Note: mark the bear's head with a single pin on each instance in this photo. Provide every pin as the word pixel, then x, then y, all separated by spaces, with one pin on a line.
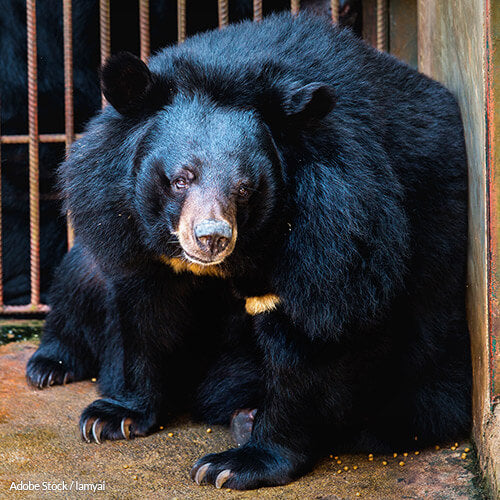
pixel 210 179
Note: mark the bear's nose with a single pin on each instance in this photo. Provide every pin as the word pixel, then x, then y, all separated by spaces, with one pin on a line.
pixel 213 236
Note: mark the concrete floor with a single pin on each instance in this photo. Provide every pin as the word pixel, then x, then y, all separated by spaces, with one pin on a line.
pixel 40 442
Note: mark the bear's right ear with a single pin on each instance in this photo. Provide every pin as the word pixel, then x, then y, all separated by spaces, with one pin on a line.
pixel 126 82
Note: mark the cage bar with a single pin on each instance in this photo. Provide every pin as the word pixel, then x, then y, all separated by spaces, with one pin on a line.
pixel 69 129
pixel 69 122
pixel 24 139
pixel 382 25
pixel 104 34
pixel 34 193
pixel 27 309
pixel 295 6
pixel 334 8
pixel 1 256
pixel 181 20
pixel 257 10
pixel 223 13
pixel 144 35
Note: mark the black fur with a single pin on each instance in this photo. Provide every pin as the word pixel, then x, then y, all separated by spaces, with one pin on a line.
pixel 356 219
pixel 201 15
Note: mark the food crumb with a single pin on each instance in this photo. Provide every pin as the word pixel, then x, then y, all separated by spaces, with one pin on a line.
pixel 370 459
pixel 417 453
pixel 125 466
pixel 401 463
pixel 358 494
pixel 436 447
pixel 394 455
pixel 339 461
pixel 345 467
pixel 170 434
pixel 134 477
pixel 93 379
pixel 161 427
pixel 384 463
pixel 339 471
pixel 467 450
pixel 453 448
pixel 209 431
pixel 354 467
pixel 463 456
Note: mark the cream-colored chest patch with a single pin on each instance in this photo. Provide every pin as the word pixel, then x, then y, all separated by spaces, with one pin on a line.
pixel 183 266
pixel 261 304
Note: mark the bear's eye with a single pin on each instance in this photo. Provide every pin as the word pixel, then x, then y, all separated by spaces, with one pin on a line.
pixel 180 183
pixel 243 192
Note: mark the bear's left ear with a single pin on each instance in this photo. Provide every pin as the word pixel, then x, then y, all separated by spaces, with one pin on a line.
pixel 311 102
pixel 126 83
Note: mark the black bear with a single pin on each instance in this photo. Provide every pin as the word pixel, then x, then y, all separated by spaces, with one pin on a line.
pixel 287 169
pixel 14 113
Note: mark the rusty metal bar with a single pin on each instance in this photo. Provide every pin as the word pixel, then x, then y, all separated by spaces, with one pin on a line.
pixel 34 192
pixel 295 6
pixel 181 20
pixel 334 7
pixel 223 13
pixel 144 29
pixel 105 34
pixel 257 10
pixel 27 309
pixel 24 139
pixel 69 127
pixel 382 25
pixel 1 256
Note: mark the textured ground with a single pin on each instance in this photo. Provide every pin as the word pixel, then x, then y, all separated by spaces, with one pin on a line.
pixel 40 443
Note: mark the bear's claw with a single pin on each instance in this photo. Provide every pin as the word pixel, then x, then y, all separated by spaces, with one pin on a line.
pixel 97 430
pixel 125 427
pixel 200 473
pixel 247 467
pixel 43 372
pixel 222 478
pixel 108 420
pixel 85 428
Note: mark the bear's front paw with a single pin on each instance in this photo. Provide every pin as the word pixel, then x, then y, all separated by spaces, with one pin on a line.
pixel 107 419
pixel 244 468
pixel 43 372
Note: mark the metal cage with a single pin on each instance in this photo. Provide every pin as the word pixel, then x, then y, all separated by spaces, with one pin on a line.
pixel 376 32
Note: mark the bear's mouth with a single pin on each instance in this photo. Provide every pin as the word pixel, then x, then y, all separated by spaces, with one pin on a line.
pixel 201 262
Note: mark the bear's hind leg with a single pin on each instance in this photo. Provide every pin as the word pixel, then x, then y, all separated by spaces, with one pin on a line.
pixel 233 387
pixel 233 384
